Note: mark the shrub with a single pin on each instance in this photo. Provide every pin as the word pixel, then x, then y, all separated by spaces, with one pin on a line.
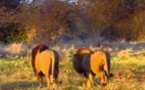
pixel 13 32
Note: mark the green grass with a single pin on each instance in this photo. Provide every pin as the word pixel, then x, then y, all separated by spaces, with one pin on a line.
pixel 129 74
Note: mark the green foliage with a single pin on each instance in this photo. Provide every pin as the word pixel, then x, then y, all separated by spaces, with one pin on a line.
pixel 13 32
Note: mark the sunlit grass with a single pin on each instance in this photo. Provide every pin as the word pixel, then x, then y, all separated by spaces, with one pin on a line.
pixel 129 74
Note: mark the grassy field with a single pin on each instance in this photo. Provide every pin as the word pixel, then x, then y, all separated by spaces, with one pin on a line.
pixel 129 74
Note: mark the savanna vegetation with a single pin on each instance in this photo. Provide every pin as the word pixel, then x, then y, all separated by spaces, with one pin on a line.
pixel 56 20
pixel 116 26
pixel 129 73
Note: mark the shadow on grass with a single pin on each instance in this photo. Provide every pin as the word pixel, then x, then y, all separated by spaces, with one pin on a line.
pixel 24 85
pixel 20 85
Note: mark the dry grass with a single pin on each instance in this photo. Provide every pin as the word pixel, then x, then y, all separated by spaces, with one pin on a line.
pixel 14 48
pixel 124 53
pixel 127 60
pixel 123 49
pixel 129 74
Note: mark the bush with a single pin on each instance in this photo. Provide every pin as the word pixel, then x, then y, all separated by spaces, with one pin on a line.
pixel 13 32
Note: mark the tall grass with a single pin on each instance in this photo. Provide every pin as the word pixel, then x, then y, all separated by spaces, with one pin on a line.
pixel 127 59
pixel 129 74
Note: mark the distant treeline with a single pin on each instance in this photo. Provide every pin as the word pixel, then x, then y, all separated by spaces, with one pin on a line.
pixel 52 19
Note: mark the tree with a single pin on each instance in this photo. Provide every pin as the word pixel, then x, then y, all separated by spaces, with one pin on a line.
pixel 10 4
